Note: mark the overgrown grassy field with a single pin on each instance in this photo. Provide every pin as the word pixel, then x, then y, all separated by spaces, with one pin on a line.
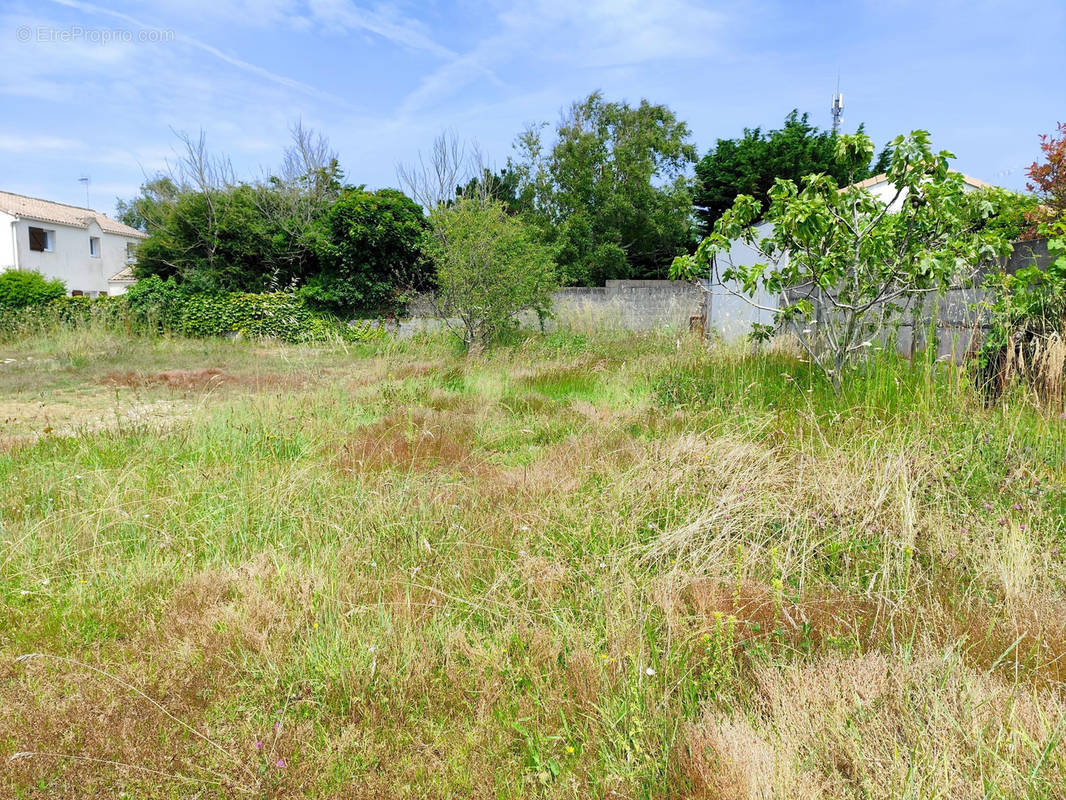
pixel 576 566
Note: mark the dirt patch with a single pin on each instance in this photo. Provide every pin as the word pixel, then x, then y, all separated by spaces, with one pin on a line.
pixel 23 423
pixel 199 380
pixel 174 379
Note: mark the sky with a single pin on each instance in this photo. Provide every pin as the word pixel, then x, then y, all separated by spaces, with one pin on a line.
pixel 100 89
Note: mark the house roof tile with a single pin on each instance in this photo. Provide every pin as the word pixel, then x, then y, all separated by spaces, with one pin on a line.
pixel 61 214
pixel 125 276
pixel 876 179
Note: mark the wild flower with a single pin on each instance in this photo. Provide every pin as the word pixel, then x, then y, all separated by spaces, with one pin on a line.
pixel 649 672
pixel 280 763
pixel 259 744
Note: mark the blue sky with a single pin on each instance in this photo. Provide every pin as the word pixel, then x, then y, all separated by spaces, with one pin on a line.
pixel 96 88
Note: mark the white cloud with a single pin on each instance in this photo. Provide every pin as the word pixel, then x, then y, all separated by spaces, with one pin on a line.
pixel 22 143
pixel 602 33
pixel 384 21
pixel 513 64
pixel 221 55
pixel 595 35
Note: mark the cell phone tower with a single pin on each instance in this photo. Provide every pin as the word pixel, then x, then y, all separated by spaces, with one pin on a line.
pixel 838 108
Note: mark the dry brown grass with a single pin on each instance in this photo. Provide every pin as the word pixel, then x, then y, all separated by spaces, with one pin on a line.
pixel 411 439
pixel 1025 645
pixel 873 726
pixel 1038 362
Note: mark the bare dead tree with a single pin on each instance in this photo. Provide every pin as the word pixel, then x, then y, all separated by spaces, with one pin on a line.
pixel 195 170
pixel 308 181
pixel 310 171
pixel 433 179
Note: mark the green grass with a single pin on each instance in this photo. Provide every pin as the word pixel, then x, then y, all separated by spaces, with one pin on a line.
pixel 602 566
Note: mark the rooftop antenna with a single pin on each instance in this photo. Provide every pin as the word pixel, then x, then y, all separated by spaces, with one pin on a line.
pixel 838 108
pixel 86 180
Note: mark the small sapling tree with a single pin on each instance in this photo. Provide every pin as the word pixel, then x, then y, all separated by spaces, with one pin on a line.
pixel 490 267
pixel 847 262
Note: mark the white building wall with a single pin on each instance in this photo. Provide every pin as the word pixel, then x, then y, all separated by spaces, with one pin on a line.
pixel 885 192
pixel 731 316
pixel 70 260
pixel 7 241
pixel 731 313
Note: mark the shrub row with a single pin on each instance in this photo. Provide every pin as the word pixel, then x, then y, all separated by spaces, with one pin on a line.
pixel 158 306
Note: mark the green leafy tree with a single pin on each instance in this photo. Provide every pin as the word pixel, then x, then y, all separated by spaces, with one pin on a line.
pixel 309 182
pixel 503 185
pixel 23 288
pixel 490 268
pixel 369 253
pixel 150 209
pixel 345 249
pixel 216 241
pixel 845 262
pixel 750 165
pixel 611 195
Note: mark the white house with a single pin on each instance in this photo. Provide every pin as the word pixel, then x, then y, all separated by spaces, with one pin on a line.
pixel 91 253
pixel 730 315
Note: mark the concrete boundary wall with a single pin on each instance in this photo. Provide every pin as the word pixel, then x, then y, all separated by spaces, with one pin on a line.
pixel 620 305
pixel 672 305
